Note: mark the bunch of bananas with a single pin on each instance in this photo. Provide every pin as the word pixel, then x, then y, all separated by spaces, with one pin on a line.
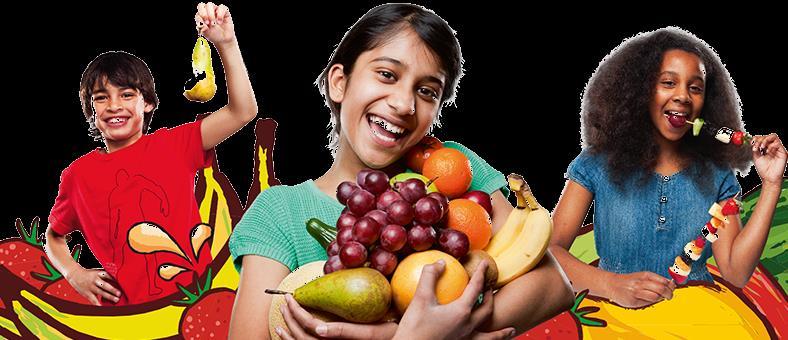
pixel 522 241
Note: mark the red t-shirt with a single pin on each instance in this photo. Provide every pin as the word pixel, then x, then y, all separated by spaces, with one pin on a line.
pixel 137 211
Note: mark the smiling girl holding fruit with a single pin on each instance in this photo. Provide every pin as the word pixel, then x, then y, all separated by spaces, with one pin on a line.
pixel 385 85
pixel 651 181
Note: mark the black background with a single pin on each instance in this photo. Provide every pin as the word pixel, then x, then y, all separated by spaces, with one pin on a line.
pixel 517 105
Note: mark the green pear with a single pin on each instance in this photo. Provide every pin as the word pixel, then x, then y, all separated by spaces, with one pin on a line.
pixel 408 175
pixel 358 295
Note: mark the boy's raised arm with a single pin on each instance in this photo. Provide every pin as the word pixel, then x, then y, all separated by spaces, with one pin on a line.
pixel 217 26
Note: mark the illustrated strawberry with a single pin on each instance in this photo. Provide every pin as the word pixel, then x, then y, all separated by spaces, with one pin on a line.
pixel 24 256
pixel 567 324
pixel 57 285
pixel 208 314
pixel 63 290
pixel 731 207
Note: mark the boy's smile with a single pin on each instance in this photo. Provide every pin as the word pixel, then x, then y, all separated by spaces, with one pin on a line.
pixel 119 114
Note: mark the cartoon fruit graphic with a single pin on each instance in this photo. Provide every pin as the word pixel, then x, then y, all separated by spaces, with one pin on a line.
pixel 208 313
pixel 566 325
pixel 527 249
pixel 473 259
pixel 451 171
pixel 59 287
pixel 419 153
pixel 205 87
pixel 450 284
pixel 470 218
pixel 25 257
pixel 358 295
pixel 63 290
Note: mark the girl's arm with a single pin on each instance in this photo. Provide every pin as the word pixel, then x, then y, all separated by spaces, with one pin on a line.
pixel 738 251
pixel 568 217
pixel 250 312
pixel 629 290
pixel 241 105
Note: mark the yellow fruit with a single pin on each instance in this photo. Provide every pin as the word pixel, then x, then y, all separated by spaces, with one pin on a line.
pixel 205 89
pixel 450 284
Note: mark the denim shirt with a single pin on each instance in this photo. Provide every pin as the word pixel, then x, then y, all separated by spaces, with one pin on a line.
pixel 644 225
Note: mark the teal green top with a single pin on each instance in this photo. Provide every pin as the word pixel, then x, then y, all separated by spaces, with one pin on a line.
pixel 274 226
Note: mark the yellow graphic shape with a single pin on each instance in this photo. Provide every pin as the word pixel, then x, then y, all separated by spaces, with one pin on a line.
pixel 168 271
pixel 148 238
pixel 35 325
pixel 223 226
pixel 9 325
pixel 263 170
pixel 695 312
pixel 227 276
pixel 200 233
pixel 159 323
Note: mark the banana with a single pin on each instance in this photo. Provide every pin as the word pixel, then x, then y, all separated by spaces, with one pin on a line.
pixel 527 249
pixel 205 87
pixel 514 222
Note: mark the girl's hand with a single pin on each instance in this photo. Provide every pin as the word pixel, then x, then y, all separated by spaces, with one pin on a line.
pixel 92 284
pixel 302 325
pixel 639 289
pixel 770 158
pixel 215 23
pixel 426 319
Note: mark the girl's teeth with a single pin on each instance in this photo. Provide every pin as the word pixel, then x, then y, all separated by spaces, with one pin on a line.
pixel 385 138
pixel 386 125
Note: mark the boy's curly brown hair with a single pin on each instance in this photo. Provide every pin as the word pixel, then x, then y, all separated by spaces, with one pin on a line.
pixel 614 113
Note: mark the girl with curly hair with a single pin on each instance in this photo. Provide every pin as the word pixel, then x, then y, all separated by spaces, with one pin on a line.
pixel 652 183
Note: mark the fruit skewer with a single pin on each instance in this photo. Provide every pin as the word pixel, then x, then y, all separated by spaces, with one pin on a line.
pixel 721 133
pixel 682 265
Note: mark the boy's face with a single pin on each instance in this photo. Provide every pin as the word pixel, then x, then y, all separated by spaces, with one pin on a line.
pixel 119 113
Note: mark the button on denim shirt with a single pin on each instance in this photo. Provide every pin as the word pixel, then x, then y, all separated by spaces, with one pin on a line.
pixel 643 226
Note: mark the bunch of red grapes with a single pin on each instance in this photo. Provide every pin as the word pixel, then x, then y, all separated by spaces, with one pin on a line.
pixel 381 222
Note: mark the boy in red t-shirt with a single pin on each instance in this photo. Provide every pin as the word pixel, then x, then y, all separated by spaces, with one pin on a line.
pixel 133 200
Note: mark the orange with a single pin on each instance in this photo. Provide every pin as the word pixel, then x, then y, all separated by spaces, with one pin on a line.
pixel 450 284
pixel 452 170
pixel 470 218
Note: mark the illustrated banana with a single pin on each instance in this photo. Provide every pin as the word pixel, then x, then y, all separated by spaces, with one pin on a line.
pixel 514 222
pixel 202 87
pixel 527 249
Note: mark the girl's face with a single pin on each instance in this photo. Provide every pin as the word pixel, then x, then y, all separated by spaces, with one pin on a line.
pixel 679 91
pixel 389 100
pixel 119 113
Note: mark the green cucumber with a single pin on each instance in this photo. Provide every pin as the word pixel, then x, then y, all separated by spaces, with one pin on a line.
pixel 322 232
